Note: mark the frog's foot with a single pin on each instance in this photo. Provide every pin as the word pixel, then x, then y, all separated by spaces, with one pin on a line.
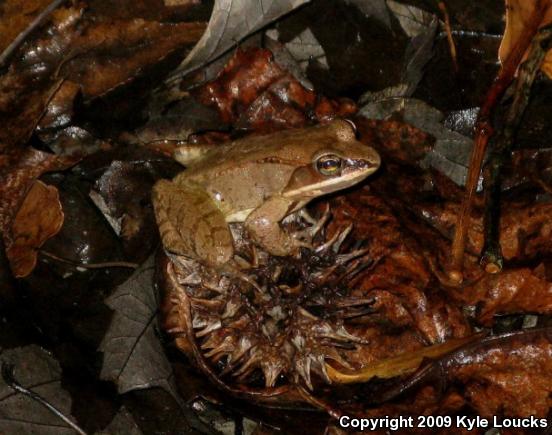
pixel 336 240
pixel 304 237
pixel 233 269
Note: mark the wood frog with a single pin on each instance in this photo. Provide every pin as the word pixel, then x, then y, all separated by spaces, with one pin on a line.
pixel 258 181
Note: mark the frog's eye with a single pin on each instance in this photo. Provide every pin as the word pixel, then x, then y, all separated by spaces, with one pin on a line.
pixel 329 164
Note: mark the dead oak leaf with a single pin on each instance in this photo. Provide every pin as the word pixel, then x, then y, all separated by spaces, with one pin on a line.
pixel 518 17
pixel 39 218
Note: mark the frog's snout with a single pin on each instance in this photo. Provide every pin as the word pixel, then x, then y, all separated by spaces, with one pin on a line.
pixel 369 164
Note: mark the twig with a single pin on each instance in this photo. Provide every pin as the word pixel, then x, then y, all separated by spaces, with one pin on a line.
pixel 491 258
pixel 452 46
pixel 40 18
pixel 104 265
pixel 484 131
pixel 9 379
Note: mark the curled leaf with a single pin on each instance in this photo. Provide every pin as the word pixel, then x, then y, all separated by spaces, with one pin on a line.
pixel 39 218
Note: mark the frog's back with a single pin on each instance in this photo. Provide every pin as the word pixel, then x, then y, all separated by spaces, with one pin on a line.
pixel 293 147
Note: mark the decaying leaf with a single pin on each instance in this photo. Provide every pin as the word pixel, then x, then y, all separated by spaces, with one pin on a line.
pixel 413 20
pixel 37 371
pixel 39 218
pixel 133 356
pixel 518 14
pixel 231 21
pixel 130 45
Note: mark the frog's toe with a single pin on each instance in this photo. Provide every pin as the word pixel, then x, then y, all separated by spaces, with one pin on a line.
pixel 305 237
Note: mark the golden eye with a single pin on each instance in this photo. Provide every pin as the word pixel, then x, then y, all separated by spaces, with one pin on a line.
pixel 330 164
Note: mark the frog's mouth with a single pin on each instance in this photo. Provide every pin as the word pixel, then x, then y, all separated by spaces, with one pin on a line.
pixel 308 182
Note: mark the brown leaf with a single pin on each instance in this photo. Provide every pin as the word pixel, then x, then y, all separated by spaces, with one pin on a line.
pixel 253 92
pixel 16 16
pixel 113 53
pixel 509 377
pixel 513 291
pixel 39 218
pixel 29 84
pixel 96 56
pixel 18 170
pixel 518 14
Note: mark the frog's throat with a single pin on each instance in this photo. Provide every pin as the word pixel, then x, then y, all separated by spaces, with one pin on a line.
pixel 239 216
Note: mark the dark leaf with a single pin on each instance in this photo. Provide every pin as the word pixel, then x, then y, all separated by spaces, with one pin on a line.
pixel 37 371
pixel 133 355
pixel 231 21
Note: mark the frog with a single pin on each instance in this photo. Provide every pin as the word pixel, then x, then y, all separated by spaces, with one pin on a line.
pixel 257 181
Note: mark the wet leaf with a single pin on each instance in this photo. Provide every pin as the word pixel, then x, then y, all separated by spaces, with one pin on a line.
pixel 133 356
pixel 95 56
pixel 39 218
pixel 174 123
pixel 507 374
pixel 254 93
pixel 231 21
pixel 510 292
pixel 16 16
pixel 37 371
pixel 518 14
pixel 122 193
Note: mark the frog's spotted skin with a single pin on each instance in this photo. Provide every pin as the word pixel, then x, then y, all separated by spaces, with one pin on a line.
pixel 257 181
pixel 191 224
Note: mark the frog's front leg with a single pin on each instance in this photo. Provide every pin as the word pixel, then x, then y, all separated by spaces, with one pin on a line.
pixel 190 223
pixel 263 225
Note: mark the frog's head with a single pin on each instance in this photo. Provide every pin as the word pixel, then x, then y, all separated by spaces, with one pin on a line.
pixel 335 162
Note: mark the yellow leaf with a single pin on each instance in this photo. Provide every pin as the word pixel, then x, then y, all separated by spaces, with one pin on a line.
pixel 518 15
pixel 399 365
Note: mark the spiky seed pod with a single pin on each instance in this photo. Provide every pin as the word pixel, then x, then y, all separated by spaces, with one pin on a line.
pixel 274 320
